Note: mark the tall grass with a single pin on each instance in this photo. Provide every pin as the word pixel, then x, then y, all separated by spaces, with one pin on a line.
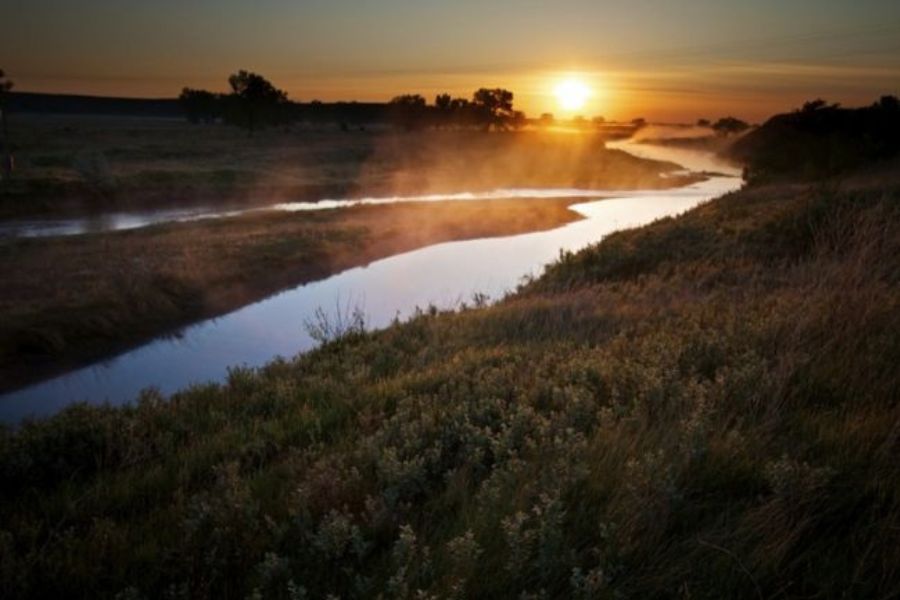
pixel 702 408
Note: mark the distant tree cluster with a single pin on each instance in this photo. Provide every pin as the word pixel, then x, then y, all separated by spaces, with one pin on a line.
pixel 725 126
pixel 201 106
pixel 488 108
pixel 730 126
pixel 409 111
pixel 254 103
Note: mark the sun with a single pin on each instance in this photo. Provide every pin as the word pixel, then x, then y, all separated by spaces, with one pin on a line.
pixel 572 94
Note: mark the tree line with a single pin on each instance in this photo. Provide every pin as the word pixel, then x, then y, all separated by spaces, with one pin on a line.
pixel 488 108
pixel 255 103
pixel 725 126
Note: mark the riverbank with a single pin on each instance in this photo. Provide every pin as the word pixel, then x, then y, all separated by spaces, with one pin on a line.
pixel 73 300
pixel 706 404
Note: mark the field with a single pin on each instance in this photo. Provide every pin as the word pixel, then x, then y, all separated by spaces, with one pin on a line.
pixel 69 301
pixel 78 165
pixel 702 408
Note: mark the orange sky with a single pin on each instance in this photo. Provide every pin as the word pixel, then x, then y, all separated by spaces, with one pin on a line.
pixel 658 59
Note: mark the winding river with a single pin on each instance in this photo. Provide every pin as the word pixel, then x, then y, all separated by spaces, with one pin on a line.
pixel 443 275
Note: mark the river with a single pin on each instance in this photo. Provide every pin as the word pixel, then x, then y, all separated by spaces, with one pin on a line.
pixel 442 275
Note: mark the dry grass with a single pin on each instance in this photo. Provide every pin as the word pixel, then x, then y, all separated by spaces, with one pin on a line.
pixel 702 408
pixel 81 164
pixel 70 300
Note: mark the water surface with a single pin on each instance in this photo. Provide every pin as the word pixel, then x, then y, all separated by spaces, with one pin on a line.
pixel 442 275
pixel 691 160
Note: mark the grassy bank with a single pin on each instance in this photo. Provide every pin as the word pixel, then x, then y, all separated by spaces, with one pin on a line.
pixel 702 408
pixel 77 165
pixel 70 300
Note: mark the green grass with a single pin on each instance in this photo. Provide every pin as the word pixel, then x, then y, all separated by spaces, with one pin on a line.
pixel 702 408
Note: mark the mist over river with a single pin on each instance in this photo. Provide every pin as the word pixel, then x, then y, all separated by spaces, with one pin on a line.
pixel 443 275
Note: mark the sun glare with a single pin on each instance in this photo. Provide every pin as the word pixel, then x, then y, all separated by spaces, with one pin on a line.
pixel 572 94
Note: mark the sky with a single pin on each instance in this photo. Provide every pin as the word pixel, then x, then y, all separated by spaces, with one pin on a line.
pixel 661 60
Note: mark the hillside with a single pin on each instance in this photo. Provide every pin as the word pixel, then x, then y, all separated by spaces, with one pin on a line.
pixel 820 140
pixel 705 407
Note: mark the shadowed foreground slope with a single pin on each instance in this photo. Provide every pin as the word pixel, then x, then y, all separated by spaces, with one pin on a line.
pixel 702 408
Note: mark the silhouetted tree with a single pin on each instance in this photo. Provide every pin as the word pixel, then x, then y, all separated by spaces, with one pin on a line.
pixel 200 106
pixel 703 123
pixel 254 102
pixel 729 125
pixel 411 100
pixel 459 104
pixel 598 121
pixel 813 105
pixel 493 106
pixel 5 151
pixel 408 111
pixel 639 122
pixel 443 102
pixel 518 120
pixel 888 104
pixel 546 119
pixel 459 113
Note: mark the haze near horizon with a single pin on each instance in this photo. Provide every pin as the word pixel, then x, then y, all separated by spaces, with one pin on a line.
pixel 659 60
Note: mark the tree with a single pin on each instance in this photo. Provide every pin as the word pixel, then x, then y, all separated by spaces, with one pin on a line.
pixel 729 125
pixel 493 106
pixel 518 120
pixel 254 102
pixel 5 151
pixel 408 111
pixel 813 105
pixel 409 100
pixel 703 123
pixel 461 112
pixel 639 122
pixel 546 119
pixel 888 104
pixel 459 104
pixel 200 106
pixel 443 102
